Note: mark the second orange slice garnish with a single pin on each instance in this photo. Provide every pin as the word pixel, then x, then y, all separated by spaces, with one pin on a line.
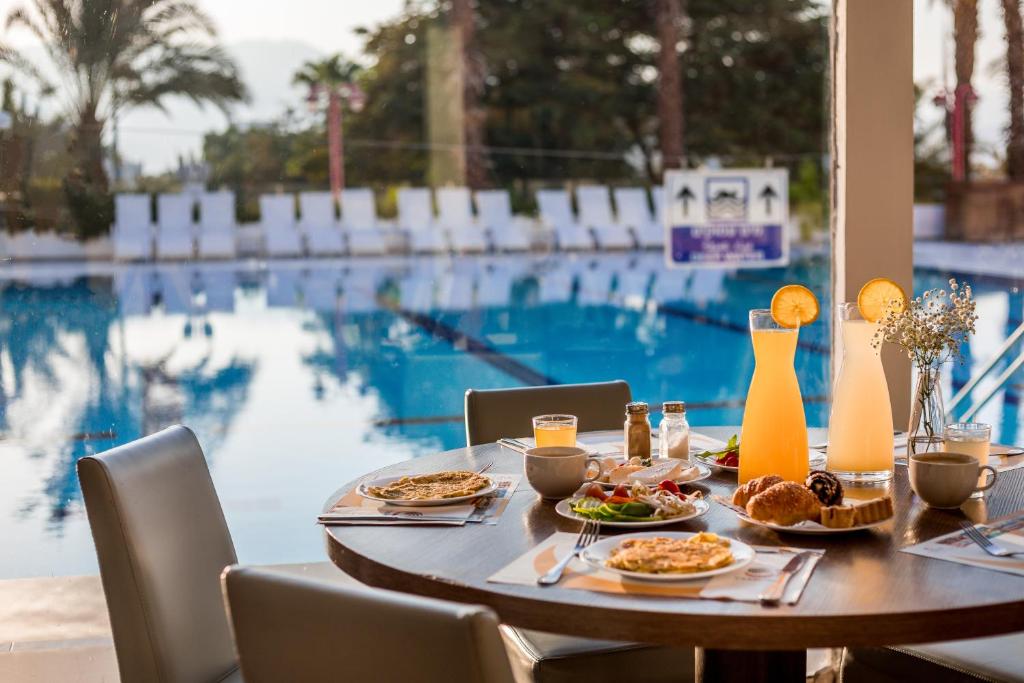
pixel 794 306
pixel 878 297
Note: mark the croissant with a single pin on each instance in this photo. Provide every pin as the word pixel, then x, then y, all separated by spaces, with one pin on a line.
pixel 786 503
pixel 743 494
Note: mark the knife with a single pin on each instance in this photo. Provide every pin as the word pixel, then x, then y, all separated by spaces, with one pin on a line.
pixel 773 595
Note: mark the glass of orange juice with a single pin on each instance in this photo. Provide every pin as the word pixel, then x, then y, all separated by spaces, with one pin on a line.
pixel 554 430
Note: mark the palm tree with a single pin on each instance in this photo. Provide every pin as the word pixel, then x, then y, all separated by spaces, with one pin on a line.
pixel 965 37
pixel 464 19
pixel 336 77
pixel 113 55
pixel 1015 80
pixel 668 16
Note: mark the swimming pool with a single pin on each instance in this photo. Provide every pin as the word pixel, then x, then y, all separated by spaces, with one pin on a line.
pixel 299 376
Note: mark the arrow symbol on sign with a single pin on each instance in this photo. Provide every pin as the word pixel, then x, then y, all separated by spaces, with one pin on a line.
pixel 768 194
pixel 686 194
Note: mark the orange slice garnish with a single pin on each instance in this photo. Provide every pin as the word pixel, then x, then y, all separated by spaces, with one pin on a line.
pixel 880 296
pixel 794 306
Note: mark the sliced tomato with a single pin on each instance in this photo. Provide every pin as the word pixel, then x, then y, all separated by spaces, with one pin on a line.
pixel 619 500
pixel 621 491
pixel 669 485
pixel 595 491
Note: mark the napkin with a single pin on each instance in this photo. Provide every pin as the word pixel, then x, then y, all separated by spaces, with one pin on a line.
pixel 957 547
pixel 744 585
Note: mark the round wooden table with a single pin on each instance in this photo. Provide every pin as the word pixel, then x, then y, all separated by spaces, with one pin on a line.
pixel 864 592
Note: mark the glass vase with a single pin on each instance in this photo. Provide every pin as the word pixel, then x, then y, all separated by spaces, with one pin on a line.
pixel 927 409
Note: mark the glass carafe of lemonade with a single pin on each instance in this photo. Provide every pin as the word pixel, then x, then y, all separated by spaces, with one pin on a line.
pixel 773 439
pixel 860 438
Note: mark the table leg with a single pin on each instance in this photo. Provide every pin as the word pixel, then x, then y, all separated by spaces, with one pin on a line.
pixel 751 666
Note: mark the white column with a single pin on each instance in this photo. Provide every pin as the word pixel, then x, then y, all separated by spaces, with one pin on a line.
pixel 873 161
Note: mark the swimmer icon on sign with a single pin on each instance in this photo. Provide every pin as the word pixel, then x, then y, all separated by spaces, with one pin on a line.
pixel 727 199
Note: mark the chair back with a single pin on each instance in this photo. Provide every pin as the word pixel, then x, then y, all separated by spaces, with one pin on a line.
pixel 162 543
pixel 217 211
pixel 455 207
pixel 132 213
pixel 494 207
pixel 632 205
pixel 492 414
pixel 358 208
pixel 174 212
pixel 277 210
pixel 317 209
pixel 295 629
pixel 595 205
pixel 554 207
pixel 414 208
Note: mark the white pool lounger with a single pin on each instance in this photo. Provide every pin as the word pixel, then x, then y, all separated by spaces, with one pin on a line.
pixel 595 206
pixel 282 238
pixel 455 215
pixel 217 225
pixel 416 218
pixel 366 234
pixel 556 213
pixel 635 212
pixel 508 232
pixel 132 232
pixel 323 234
pixel 174 227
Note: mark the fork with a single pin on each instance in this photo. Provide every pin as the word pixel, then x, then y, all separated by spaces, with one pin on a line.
pixel 588 534
pixel 987 545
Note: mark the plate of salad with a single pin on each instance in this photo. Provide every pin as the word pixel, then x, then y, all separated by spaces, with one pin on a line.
pixel 727 458
pixel 634 506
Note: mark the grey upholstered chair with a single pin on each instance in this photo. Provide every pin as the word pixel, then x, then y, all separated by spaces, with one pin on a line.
pixel 996 660
pixel 492 414
pixel 162 543
pixel 302 631
pixel 546 657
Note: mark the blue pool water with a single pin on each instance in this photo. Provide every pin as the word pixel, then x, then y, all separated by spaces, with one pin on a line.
pixel 299 376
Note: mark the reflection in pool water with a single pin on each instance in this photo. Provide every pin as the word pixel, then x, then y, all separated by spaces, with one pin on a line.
pixel 299 376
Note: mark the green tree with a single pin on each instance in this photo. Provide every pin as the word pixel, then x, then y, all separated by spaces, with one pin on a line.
pixel 111 56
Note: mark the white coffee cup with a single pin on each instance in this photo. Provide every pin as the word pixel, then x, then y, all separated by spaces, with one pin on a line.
pixel 946 480
pixel 558 471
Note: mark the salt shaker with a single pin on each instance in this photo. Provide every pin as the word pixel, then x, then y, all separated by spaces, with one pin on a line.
pixel 674 431
pixel 638 432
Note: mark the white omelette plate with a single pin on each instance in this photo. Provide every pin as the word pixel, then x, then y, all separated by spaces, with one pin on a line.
pixel 704 473
pixel 363 490
pixel 597 553
pixel 565 510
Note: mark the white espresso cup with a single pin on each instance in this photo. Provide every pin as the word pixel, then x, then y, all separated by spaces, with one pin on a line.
pixel 946 480
pixel 558 471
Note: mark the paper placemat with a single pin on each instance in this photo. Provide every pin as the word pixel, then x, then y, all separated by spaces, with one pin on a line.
pixel 956 547
pixel 744 585
pixel 355 509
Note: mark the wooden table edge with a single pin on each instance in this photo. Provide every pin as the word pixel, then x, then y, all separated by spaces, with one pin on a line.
pixel 775 631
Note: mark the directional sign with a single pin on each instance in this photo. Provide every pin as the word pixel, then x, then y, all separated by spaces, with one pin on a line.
pixel 735 217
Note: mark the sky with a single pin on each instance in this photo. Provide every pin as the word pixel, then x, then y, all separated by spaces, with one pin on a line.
pixel 270 39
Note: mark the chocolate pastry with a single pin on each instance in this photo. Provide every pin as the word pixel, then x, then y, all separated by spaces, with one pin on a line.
pixel 826 486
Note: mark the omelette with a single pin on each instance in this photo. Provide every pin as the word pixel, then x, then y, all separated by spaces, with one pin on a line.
pixel 448 484
pixel 660 555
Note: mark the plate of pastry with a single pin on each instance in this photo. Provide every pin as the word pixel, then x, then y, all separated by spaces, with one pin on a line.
pixel 816 506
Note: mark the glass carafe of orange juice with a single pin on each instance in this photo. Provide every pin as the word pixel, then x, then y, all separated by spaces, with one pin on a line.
pixel 773 439
pixel 860 438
